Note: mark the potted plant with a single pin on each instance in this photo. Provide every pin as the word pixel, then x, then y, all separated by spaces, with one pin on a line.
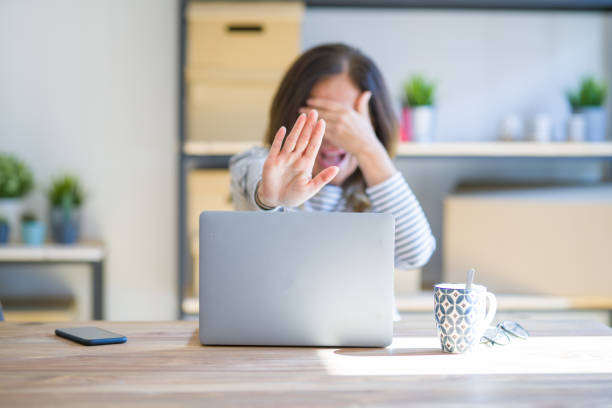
pixel 419 99
pixel 66 197
pixel 4 230
pixel 588 102
pixel 32 230
pixel 15 182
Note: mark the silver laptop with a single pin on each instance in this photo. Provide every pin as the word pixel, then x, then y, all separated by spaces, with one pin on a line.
pixel 296 279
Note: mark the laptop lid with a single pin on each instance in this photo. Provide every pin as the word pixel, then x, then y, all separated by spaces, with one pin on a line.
pixel 296 279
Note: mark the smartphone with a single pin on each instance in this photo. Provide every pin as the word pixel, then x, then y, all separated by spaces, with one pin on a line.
pixel 91 336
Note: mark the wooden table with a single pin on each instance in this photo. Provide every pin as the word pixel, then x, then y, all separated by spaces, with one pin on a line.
pixel 90 253
pixel 162 364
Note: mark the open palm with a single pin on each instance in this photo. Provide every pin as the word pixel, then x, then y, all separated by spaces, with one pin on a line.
pixel 287 173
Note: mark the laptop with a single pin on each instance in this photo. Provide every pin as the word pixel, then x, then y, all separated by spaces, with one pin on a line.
pixel 296 279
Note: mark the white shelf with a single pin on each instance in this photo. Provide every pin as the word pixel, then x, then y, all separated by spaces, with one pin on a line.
pixel 201 148
pixel 506 149
pixel 80 252
pixel 456 149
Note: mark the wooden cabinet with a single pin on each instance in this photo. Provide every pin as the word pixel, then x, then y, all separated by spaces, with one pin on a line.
pixel 262 36
pixel 207 190
pixel 229 107
pixel 549 240
pixel 237 53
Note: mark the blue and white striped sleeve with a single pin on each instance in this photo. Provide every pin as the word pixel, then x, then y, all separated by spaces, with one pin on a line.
pixel 414 242
pixel 245 171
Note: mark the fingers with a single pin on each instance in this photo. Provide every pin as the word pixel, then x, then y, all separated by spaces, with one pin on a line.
pixel 323 178
pixel 332 119
pixel 304 137
pixel 291 139
pixel 362 103
pixel 325 104
pixel 315 141
pixel 278 141
pixel 324 113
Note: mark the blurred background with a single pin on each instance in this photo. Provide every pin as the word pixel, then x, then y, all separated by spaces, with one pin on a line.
pixel 117 119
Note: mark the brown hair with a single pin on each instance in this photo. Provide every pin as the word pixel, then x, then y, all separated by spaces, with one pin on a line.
pixel 321 62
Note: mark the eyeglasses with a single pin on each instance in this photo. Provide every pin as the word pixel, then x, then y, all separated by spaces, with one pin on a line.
pixel 503 333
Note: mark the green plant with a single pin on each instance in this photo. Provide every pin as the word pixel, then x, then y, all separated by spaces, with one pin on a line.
pixel 66 192
pixel 28 217
pixel 590 93
pixel 15 177
pixel 3 220
pixel 419 91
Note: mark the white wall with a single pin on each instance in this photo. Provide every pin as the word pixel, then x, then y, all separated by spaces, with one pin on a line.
pixel 487 64
pixel 91 87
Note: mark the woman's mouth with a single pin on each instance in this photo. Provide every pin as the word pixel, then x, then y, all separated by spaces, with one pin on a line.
pixel 331 158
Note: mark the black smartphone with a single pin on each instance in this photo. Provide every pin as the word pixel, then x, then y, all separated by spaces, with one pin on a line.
pixel 91 336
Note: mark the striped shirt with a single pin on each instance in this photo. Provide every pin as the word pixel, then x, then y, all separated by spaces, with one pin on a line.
pixel 414 242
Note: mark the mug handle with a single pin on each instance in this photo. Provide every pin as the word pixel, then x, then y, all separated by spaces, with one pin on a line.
pixel 491 309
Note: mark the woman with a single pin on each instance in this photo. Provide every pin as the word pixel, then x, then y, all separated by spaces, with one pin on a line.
pixel 338 162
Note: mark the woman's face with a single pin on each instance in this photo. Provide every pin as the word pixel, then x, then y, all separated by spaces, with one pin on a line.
pixel 341 89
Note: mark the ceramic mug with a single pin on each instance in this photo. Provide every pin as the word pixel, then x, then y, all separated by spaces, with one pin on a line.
pixel 462 315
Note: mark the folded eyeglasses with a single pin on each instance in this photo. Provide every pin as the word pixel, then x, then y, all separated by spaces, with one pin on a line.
pixel 503 333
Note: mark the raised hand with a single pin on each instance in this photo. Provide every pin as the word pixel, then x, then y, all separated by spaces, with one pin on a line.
pixel 287 173
pixel 347 127
pixel 350 128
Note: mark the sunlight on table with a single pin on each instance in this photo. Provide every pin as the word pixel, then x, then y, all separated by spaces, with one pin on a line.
pixel 422 356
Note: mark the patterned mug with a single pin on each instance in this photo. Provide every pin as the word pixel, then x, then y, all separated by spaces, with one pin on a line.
pixel 462 315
